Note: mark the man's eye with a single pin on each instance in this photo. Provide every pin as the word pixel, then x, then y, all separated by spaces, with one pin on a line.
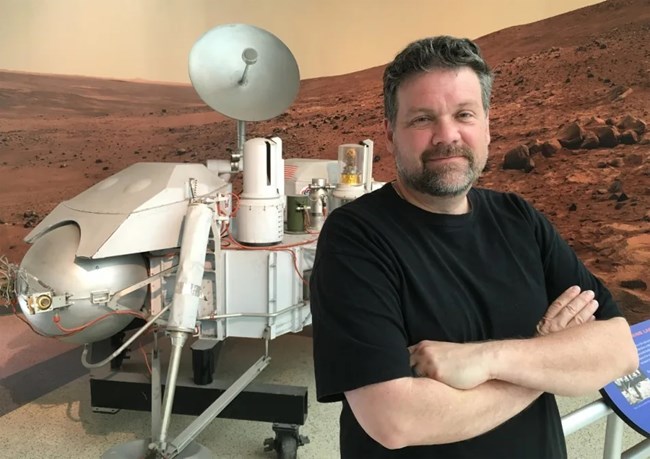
pixel 420 120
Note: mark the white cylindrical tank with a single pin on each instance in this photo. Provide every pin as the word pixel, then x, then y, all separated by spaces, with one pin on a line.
pixel 260 217
pixel 262 166
pixel 279 170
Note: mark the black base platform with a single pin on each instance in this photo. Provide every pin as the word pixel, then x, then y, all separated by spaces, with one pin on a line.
pixel 115 390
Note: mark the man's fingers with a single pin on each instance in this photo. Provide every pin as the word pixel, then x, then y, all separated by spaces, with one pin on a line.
pixel 561 301
pixel 417 369
pixel 576 308
pixel 585 315
pixel 577 311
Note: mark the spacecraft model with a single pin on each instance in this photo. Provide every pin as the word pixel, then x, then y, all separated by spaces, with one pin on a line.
pixel 167 248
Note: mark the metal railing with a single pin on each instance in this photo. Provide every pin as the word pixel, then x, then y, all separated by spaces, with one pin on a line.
pixel 588 414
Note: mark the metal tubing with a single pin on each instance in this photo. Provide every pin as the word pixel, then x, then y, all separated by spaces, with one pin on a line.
pixel 613 437
pixel 200 423
pixel 638 451
pixel 249 56
pixel 237 158
pixel 132 288
pixel 241 136
pixel 84 354
pixel 156 389
pixel 369 157
pixel 253 314
pixel 591 413
pixel 584 416
pixel 178 340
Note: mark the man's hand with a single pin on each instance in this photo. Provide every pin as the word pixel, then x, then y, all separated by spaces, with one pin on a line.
pixel 570 309
pixel 463 366
pixel 457 365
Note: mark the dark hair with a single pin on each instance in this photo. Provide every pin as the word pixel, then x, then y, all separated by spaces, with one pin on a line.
pixel 442 52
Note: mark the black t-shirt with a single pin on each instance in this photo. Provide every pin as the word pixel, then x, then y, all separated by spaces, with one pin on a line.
pixel 388 275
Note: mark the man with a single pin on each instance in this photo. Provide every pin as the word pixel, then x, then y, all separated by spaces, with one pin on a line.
pixel 430 297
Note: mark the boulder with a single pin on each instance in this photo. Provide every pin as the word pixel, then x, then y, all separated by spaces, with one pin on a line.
pixel 550 147
pixel 534 147
pixel 633 159
pixel 607 135
pixel 631 122
pixel 634 284
pixel 619 92
pixel 519 159
pixel 629 137
pixel 571 135
pixel 633 305
pixel 591 141
pixel 615 186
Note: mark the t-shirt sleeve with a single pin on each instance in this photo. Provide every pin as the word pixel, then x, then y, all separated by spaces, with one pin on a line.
pixel 358 328
pixel 563 268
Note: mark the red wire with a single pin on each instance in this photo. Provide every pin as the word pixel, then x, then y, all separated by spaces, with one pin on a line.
pixel 231 240
pixel 71 331
pixel 235 207
pixel 276 248
pixel 146 359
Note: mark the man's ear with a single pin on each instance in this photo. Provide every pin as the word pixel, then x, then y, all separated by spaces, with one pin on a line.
pixel 388 131
pixel 487 129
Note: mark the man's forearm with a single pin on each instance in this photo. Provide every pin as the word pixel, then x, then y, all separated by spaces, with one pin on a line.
pixel 571 362
pixel 422 411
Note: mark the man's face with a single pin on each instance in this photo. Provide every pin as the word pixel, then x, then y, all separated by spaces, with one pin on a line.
pixel 441 134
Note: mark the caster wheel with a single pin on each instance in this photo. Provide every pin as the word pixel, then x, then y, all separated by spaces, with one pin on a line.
pixel 288 447
pixel 286 442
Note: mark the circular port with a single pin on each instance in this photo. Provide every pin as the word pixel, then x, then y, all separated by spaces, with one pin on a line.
pixel 44 302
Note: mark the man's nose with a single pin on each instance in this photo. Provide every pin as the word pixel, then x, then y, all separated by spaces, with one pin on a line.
pixel 445 132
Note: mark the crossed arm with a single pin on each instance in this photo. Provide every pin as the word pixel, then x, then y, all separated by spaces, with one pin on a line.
pixel 422 411
pixel 478 386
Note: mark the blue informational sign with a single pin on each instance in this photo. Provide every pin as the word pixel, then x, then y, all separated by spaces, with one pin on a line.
pixel 629 396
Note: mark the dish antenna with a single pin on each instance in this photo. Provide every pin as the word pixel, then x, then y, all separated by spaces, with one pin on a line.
pixel 245 73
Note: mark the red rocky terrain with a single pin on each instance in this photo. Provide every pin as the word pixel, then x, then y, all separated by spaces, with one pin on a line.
pixel 568 122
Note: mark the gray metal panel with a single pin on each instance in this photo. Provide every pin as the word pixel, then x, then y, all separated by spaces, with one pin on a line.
pixel 139 209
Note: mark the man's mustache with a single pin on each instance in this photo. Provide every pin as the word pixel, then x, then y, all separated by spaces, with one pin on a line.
pixel 446 151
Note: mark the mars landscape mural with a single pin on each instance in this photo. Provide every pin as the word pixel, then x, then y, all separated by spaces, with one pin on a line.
pixel 569 121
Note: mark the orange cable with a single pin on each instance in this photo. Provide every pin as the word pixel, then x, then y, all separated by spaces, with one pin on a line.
pixel 70 331
pixel 146 359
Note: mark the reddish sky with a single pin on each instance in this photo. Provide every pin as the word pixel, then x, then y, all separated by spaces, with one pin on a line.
pixel 151 39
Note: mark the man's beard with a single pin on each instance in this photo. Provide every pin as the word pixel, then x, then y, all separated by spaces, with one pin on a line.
pixel 439 180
